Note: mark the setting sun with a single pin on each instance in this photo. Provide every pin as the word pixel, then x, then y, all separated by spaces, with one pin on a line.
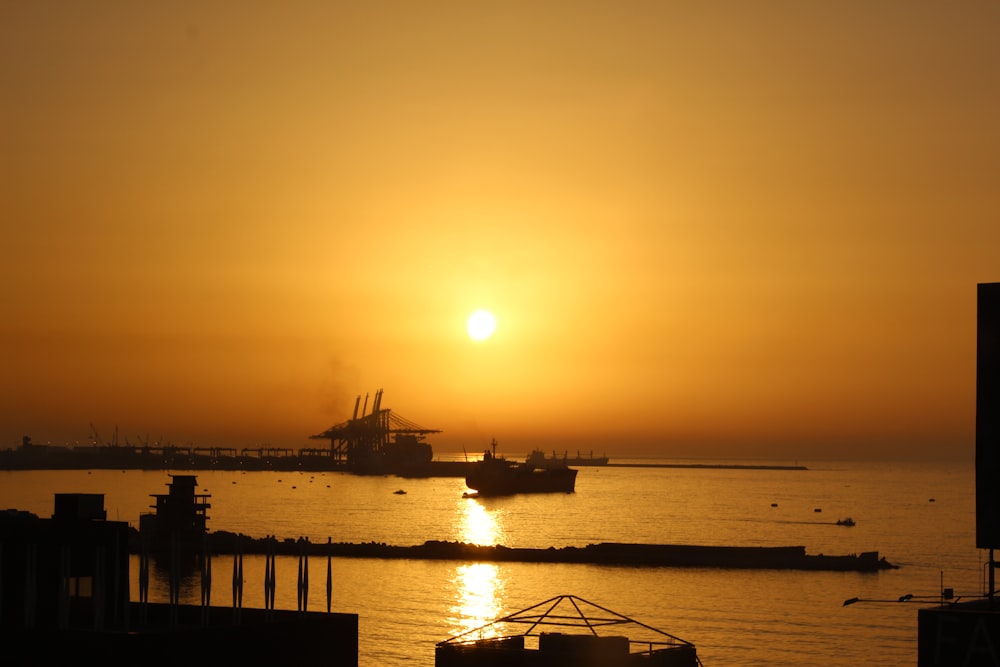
pixel 656 257
pixel 481 325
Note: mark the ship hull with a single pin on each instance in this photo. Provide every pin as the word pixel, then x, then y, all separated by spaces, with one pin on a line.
pixel 504 480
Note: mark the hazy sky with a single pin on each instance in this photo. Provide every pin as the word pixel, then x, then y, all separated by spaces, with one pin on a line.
pixel 719 229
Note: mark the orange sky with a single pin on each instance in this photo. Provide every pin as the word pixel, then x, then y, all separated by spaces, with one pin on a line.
pixel 712 229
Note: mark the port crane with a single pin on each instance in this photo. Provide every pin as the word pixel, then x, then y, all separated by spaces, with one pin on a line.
pixel 373 440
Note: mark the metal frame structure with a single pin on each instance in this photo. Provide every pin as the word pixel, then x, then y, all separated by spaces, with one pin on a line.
pixel 575 613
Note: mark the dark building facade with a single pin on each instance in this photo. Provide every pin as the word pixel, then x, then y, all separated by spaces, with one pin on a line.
pixel 180 521
pixel 65 599
pixel 988 417
pixel 67 570
pixel 968 633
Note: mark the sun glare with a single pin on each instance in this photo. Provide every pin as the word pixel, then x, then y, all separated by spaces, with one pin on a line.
pixel 480 590
pixel 481 325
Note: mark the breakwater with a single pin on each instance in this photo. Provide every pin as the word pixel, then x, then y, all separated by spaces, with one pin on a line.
pixel 604 553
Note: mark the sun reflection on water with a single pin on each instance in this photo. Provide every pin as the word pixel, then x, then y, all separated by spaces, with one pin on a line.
pixel 478 592
pixel 478 587
pixel 479 525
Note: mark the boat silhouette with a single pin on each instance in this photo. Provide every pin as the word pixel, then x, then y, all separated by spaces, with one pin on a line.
pixel 495 475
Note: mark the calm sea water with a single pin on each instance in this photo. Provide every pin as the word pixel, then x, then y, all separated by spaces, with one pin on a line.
pixel 919 516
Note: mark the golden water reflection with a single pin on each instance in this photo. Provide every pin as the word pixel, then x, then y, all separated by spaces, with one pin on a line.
pixel 478 587
pixel 479 525
pixel 479 593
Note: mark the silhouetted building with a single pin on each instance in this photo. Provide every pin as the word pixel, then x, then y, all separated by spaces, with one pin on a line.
pixel 65 599
pixel 65 570
pixel 968 633
pixel 179 524
pixel 988 417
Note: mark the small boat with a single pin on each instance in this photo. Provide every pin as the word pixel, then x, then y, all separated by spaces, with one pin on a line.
pixel 400 492
pixel 547 639
pixel 496 476
pixel 845 522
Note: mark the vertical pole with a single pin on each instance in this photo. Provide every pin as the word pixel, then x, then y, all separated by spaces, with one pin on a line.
pixel 299 583
pixel 305 573
pixel 329 574
pixel 208 585
pixel 206 580
pixel 237 581
pixel 267 573
pixel 269 578
pixel 241 581
pixel 274 571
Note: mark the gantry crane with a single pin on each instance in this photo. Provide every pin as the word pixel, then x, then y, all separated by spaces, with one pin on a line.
pixel 377 440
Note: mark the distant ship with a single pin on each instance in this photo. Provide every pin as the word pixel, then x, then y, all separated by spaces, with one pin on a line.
pixel 538 458
pixel 496 476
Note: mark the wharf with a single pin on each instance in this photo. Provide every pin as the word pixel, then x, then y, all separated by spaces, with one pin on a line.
pixel 277 460
pixel 195 460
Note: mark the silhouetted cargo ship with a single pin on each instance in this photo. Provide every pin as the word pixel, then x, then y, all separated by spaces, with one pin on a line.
pixel 496 476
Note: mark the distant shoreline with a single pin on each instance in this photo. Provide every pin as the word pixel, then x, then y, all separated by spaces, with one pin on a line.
pixel 134 458
pixel 714 466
